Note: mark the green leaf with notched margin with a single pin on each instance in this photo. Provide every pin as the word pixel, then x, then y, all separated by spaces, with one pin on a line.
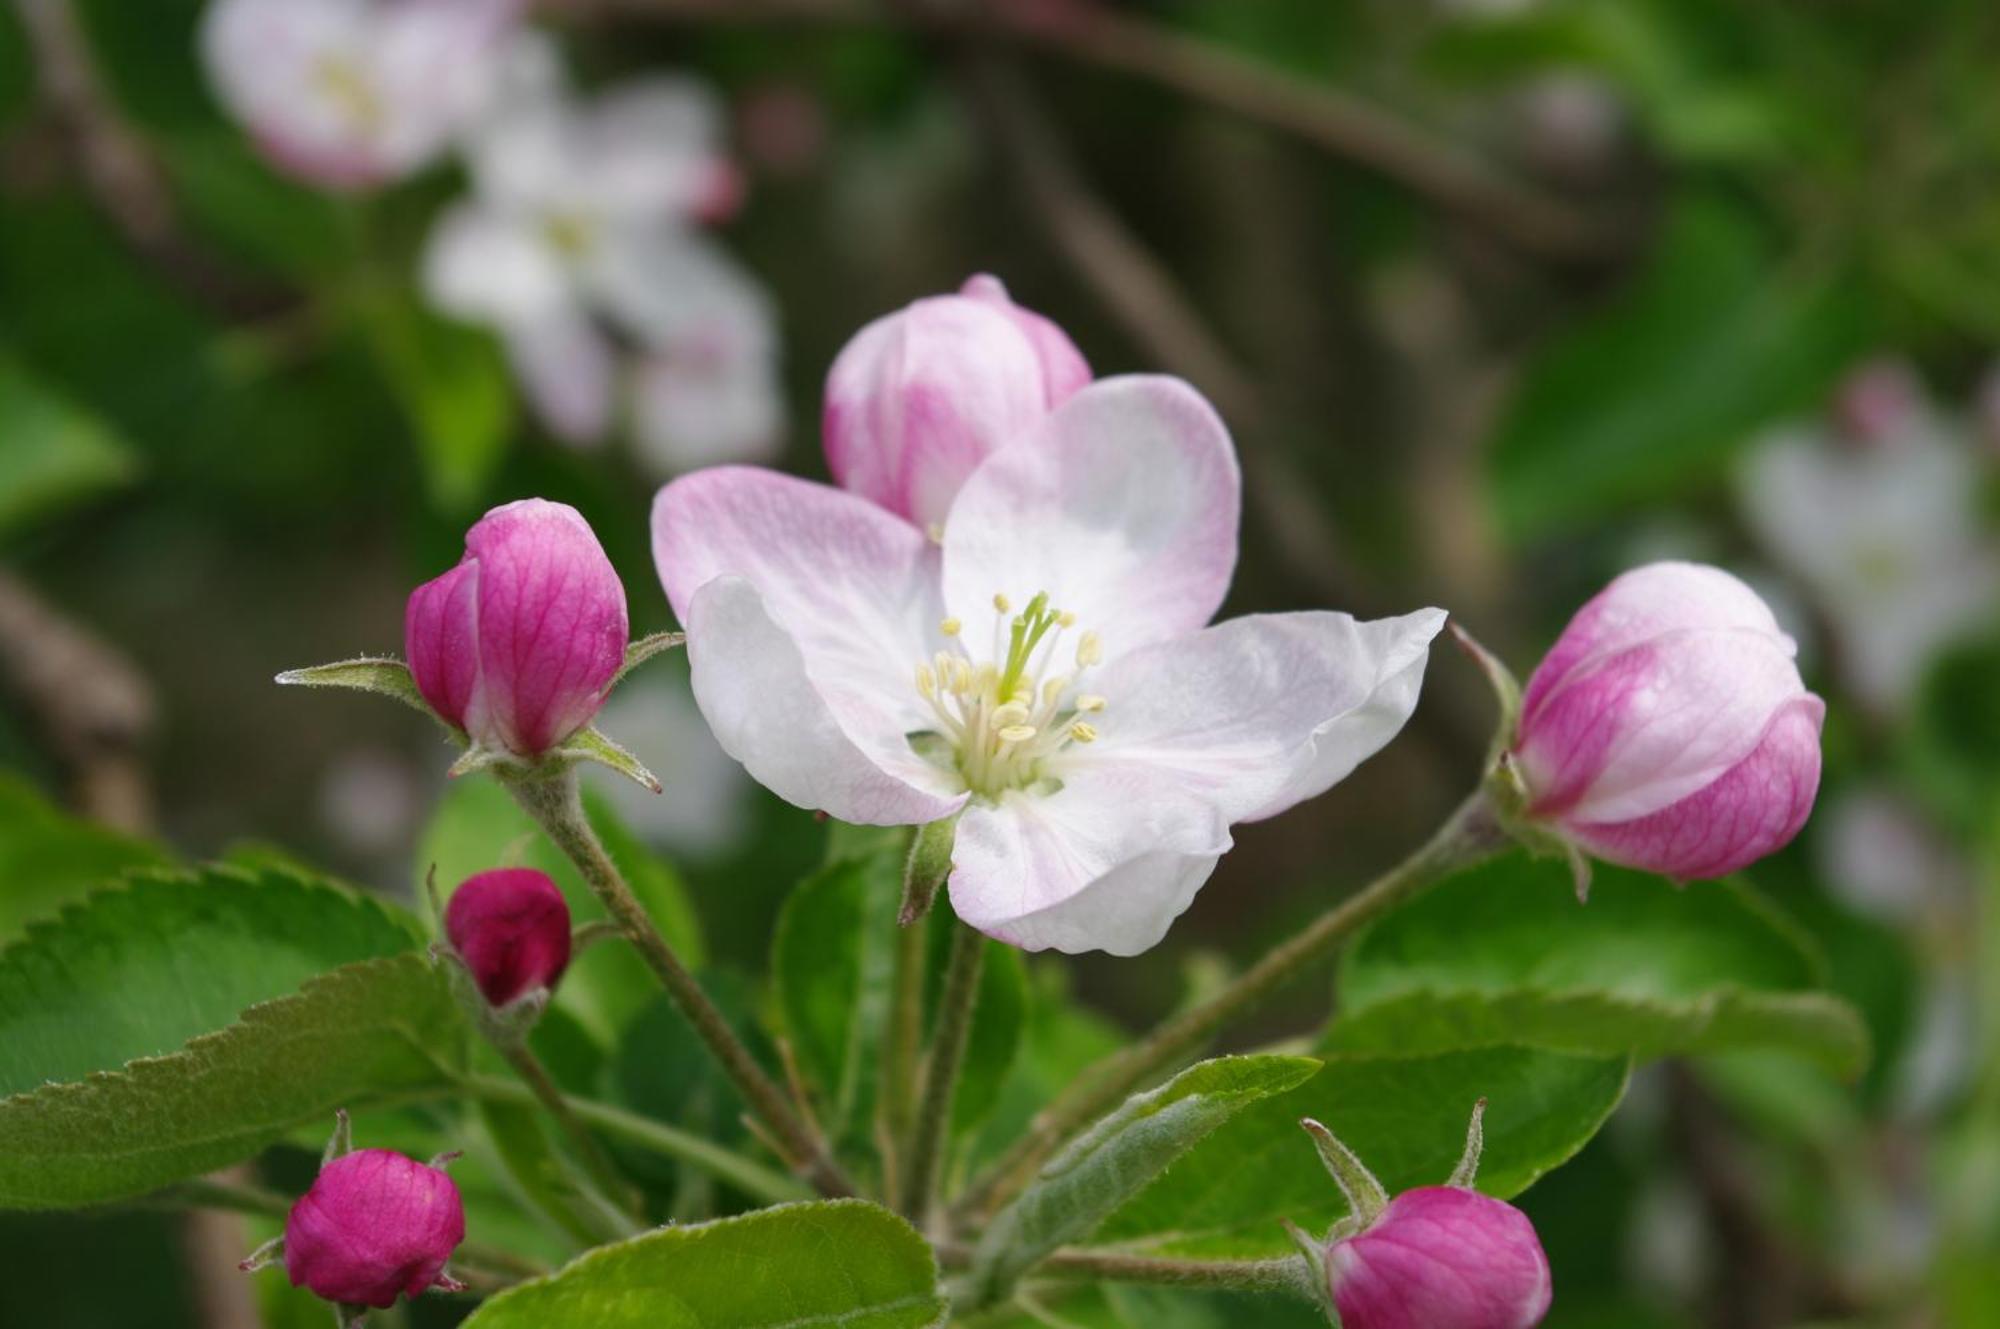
pixel 1118 1156
pixel 1504 954
pixel 48 859
pixel 840 1262
pixel 138 970
pixel 367 1033
pixel 1405 1116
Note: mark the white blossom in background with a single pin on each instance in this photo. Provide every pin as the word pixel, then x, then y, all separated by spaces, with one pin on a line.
pixel 348 94
pixel 706 809
pixel 579 242
pixel 1881 857
pixel 1876 515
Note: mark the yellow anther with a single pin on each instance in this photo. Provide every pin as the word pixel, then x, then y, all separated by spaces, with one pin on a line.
pixel 1089 650
pixel 1089 703
pixel 1017 733
pixel 1065 619
pixel 1001 602
pixel 936 533
pixel 1083 732
pixel 960 675
pixel 950 627
pixel 1054 689
pixel 926 680
pixel 1008 716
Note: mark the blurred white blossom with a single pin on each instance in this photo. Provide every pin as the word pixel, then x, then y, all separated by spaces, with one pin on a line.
pixel 1876 515
pixel 579 242
pixel 704 809
pixel 353 93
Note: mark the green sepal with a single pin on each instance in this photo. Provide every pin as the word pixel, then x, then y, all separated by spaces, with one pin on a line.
pixel 381 674
pixel 644 649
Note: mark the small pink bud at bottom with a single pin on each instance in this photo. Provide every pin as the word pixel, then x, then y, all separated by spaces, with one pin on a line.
pixel 1441 1258
pixel 374 1224
pixel 511 926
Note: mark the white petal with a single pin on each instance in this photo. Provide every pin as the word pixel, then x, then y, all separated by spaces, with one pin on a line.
pixel 656 147
pixel 666 286
pixel 493 267
pixel 1122 505
pixel 1104 863
pixel 692 411
pixel 1263 712
pixel 569 370
pixel 790 731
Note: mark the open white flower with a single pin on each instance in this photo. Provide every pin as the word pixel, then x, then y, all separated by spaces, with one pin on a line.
pixel 581 223
pixel 1044 674
pixel 352 93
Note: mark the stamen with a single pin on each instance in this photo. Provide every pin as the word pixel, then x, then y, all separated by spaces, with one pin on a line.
pixel 1001 602
pixel 950 627
pixel 1089 703
pixel 926 680
pixel 1083 732
pixel 1065 618
pixel 1089 650
pixel 1019 733
pixel 1009 716
pixel 935 532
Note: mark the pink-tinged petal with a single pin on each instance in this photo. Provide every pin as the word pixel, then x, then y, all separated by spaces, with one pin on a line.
pixel 1753 809
pixel 1122 505
pixel 852 586
pixel 1104 863
pixel 375 1224
pixel 568 369
pixel 1260 713
pixel 1064 370
pixel 1638 606
pixel 813 744
pixel 919 397
pixel 1442 1258
pixel 1629 734
pixel 552 625
pixel 441 640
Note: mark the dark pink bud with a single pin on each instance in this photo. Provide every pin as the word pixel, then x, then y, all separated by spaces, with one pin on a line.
pixel 374 1224
pixel 1668 728
pixel 1441 1258
pixel 518 643
pixel 511 927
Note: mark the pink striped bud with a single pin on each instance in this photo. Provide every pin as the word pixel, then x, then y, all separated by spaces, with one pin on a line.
pixel 511 927
pixel 374 1224
pixel 1441 1257
pixel 1668 728
pixel 918 398
pixel 518 644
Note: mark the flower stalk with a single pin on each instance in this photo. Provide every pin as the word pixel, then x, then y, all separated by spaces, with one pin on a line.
pixel 620 1200
pixel 551 797
pixel 954 1024
pixel 1470 835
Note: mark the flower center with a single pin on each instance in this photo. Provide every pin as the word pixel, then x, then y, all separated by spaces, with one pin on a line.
pixel 1006 716
pixel 339 79
pixel 571 234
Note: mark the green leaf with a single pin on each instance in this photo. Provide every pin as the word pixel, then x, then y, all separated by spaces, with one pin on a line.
pixel 48 859
pixel 1654 396
pixel 1504 954
pixel 1115 1158
pixel 138 971
pixel 364 1034
pixel 1404 1116
pixel 56 452
pixel 477 826
pixel 832 963
pixel 840 1262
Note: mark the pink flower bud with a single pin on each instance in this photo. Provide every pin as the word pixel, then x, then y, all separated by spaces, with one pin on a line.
pixel 374 1224
pixel 511 927
pixel 920 397
pixel 1668 728
pixel 518 644
pixel 1441 1258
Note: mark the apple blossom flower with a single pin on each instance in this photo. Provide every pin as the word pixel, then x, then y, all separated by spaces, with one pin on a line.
pixel 918 398
pixel 1437 1257
pixel 353 93
pixel 1043 674
pixel 375 1224
pixel 511 928
pixel 518 644
pixel 580 224
pixel 1880 523
pixel 1668 728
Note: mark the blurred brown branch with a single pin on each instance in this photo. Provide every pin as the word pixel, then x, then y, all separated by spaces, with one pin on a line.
pixel 1093 34
pixel 119 168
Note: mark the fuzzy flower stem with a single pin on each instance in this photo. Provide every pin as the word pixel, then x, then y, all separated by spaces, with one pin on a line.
pixel 603 1173
pixel 1469 836
pixel 947 1056
pixel 899 1049
pixel 551 797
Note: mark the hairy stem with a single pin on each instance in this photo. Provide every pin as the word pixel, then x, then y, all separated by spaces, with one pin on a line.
pixel 1287 1274
pixel 744 1174
pixel 899 1051
pixel 954 1024
pixel 604 1174
pixel 551 798
pixel 1469 836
